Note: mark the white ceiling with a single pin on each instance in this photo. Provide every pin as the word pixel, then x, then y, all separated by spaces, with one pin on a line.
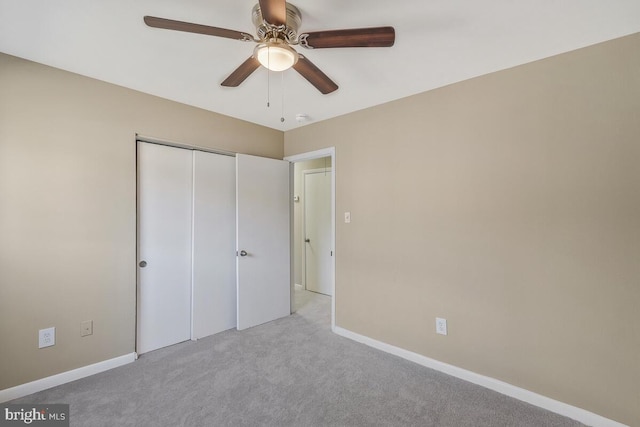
pixel 438 42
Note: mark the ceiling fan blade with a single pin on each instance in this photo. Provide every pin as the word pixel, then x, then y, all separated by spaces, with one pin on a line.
pixel 241 73
pixel 170 24
pixel 313 74
pixel 355 37
pixel 274 11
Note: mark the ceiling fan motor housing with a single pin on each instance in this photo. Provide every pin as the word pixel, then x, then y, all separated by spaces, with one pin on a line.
pixel 266 30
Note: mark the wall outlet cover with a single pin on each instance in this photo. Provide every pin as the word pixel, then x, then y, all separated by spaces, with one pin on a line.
pixel 86 328
pixel 46 337
pixel 441 326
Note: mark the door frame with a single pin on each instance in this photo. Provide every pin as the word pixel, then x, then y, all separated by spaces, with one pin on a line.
pixel 303 245
pixel 311 155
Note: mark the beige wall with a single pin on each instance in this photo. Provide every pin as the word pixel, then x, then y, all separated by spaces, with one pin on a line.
pixel 298 211
pixel 510 205
pixel 68 209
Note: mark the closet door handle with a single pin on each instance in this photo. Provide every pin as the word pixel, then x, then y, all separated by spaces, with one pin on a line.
pixel 143 264
pixel 307 240
pixel 243 253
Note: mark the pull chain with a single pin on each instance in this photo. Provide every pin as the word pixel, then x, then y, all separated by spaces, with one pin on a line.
pixel 268 79
pixel 282 111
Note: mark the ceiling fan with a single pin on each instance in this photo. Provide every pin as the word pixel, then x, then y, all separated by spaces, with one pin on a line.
pixel 277 23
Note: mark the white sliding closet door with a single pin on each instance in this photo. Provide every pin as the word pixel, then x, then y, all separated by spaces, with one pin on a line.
pixel 214 243
pixel 263 239
pixel 195 209
pixel 165 193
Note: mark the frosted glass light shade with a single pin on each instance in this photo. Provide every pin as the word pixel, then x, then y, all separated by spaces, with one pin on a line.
pixel 276 56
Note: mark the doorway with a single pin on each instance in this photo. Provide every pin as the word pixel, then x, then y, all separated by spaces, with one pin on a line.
pixel 316 244
pixel 312 170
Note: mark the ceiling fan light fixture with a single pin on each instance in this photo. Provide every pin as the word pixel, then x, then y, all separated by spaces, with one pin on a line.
pixel 276 55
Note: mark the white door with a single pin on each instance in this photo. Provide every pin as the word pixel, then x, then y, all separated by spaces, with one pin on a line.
pixel 317 227
pixel 164 247
pixel 214 243
pixel 263 215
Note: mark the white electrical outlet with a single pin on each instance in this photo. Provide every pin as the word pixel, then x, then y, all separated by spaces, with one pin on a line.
pixel 441 326
pixel 347 217
pixel 46 337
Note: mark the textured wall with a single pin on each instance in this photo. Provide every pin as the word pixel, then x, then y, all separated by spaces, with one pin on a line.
pixel 510 205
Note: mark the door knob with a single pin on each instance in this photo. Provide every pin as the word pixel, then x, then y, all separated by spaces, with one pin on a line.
pixel 307 240
pixel 143 264
pixel 243 253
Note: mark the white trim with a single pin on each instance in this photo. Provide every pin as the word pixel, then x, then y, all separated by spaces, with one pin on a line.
pixel 192 332
pixel 318 154
pixel 325 152
pixel 64 377
pixel 578 414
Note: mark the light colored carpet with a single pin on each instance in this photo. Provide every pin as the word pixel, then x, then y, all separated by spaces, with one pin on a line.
pixel 290 372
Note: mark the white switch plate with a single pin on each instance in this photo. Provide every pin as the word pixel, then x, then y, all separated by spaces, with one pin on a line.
pixel 46 337
pixel 441 326
pixel 347 217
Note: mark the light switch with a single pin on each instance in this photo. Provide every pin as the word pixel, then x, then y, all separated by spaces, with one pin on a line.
pixel 347 217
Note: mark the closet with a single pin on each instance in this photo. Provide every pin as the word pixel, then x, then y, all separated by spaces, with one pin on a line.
pixel 194 209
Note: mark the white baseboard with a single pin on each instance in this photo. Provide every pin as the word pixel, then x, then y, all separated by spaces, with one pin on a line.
pixel 299 287
pixel 578 414
pixel 64 377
